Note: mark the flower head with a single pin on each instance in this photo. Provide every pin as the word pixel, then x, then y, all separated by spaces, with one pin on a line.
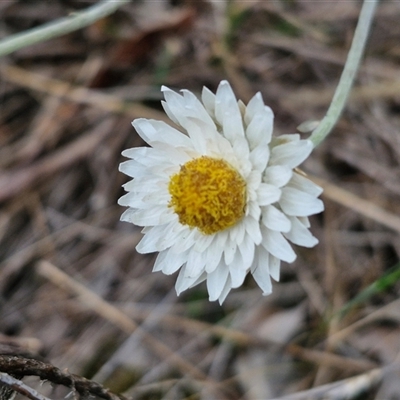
pixel 222 197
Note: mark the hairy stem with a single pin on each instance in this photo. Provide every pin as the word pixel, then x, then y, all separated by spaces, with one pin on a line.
pixel 348 74
pixel 73 22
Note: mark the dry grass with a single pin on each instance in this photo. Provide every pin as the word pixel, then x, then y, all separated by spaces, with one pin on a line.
pixel 76 295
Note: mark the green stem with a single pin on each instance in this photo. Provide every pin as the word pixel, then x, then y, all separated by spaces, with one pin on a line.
pixel 382 284
pixel 348 74
pixel 73 22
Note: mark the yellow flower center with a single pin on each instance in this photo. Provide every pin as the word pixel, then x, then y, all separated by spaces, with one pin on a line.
pixel 208 194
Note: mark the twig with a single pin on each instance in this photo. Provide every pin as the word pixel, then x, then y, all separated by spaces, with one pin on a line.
pixel 20 387
pixel 14 181
pixel 348 74
pixel 388 311
pixel 30 367
pixel 345 389
pixel 79 94
pixel 246 339
pixel 126 324
pixel 359 205
pixel 73 22
pixel 119 319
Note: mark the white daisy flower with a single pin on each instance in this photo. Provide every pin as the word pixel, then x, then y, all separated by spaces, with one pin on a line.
pixel 221 198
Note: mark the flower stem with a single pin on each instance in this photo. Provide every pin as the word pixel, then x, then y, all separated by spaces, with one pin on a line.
pixel 348 74
pixel 59 27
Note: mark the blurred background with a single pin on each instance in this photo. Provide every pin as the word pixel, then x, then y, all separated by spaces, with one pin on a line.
pixel 73 291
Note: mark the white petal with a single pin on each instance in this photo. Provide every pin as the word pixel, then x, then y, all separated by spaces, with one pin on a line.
pixel 157 198
pixel 151 130
pixel 127 215
pixel 128 168
pixel 183 282
pixel 274 267
pixel 268 194
pixel 227 112
pixel 305 221
pixel 255 105
pixel 149 242
pixel 169 263
pixel 172 153
pixel 197 135
pixel 283 139
pixel 253 210
pixel 203 242
pixel 153 161
pixel 216 281
pixel 133 169
pixel 242 107
pixel 297 203
pixel 275 219
pixel 247 250
pixel 300 182
pixel 253 229
pixel 175 105
pixel 225 291
pixel 278 175
pixel 169 112
pixel 215 251
pixel 144 154
pixel 224 147
pixel 160 237
pixel 277 245
pixel 195 264
pixel 186 238
pixel 160 261
pixel 254 179
pixel 236 233
pixel 291 154
pixel 143 186
pixel 154 215
pixel 208 99
pixel 259 157
pixel 135 200
pixel 259 130
pixel 229 251
pixel 240 147
pixel 181 108
pixel 261 272
pixel 253 182
pixel 300 235
pixel 213 258
pixel 207 140
pixel 232 126
pixel 237 276
pixel 221 239
pixel 224 99
pixel 197 109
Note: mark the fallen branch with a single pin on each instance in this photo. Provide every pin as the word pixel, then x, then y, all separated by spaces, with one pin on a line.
pixel 9 384
pixel 22 367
